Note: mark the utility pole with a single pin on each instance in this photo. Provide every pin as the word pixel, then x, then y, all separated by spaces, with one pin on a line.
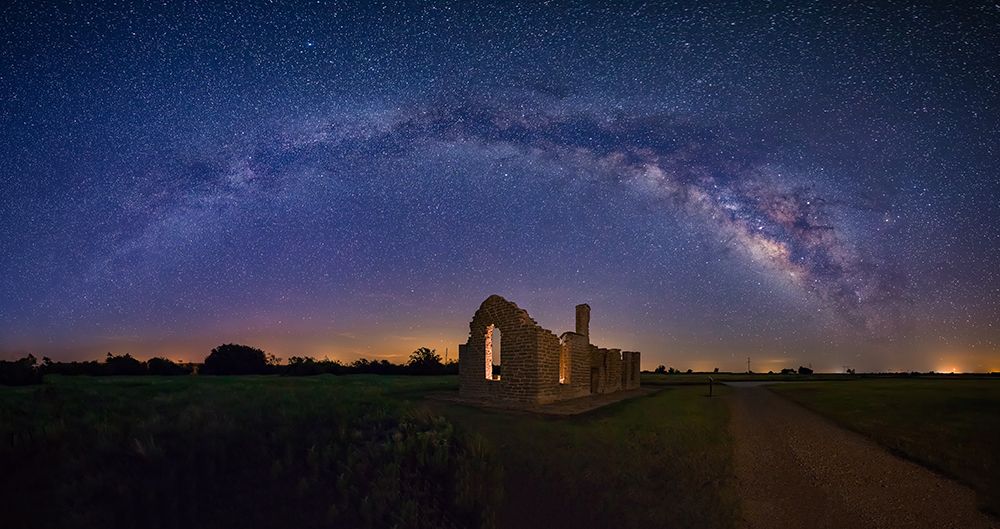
pixel 748 365
pixel 446 355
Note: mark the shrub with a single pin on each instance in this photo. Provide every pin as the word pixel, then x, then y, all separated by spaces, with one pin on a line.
pixel 123 365
pixel 235 359
pixel 425 360
pixel 238 454
pixel 21 372
pixel 166 367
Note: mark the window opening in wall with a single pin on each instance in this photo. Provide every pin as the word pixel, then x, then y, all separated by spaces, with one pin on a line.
pixel 564 362
pixel 493 336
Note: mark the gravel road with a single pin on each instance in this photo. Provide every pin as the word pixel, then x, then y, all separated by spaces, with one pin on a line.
pixel 795 469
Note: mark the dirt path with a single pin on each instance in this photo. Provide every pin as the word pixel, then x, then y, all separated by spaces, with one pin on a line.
pixel 796 469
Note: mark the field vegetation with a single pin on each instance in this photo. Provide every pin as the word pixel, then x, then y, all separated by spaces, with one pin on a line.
pixel 237 452
pixel 952 426
pixel 662 460
pixel 350 451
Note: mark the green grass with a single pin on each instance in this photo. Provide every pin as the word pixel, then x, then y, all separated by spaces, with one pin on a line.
pixel 681 379
pixel 952 426
pixel 238 452
pixel 656 461
pixel 351 451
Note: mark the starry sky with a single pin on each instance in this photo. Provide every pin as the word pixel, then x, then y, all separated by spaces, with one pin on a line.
pixel 801 183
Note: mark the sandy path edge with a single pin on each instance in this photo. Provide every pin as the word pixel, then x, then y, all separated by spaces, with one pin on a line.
pixel 795 469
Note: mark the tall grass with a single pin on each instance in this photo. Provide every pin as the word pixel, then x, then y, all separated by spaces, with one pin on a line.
pixel 235 452
pixel 657 461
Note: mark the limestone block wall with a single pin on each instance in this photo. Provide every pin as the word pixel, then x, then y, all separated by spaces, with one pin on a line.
pixel 575 355
pixel 532 359
pixel 547 381
pixel 529 356
pixel 614 374
pixel 599 369
pixel 633 369
pixel 630 370
pixel 583 320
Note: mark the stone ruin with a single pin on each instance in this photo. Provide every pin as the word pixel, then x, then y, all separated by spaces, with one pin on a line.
pixel 537 366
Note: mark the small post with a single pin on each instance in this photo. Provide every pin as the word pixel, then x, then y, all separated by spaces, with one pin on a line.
pixel 710 382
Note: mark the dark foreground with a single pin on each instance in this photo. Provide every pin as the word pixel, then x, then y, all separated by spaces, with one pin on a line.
pixel 372 451
pixel 350 451
pixel 798 470
pixel 949 426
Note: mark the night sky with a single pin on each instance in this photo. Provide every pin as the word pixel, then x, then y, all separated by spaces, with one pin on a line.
pixel 801 183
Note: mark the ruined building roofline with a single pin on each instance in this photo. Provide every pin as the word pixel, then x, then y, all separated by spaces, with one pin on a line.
pixel 537 366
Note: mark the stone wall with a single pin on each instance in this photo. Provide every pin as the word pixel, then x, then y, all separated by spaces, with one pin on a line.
pixel 630 370
pixel 575 355
pixel 583 320
pixel 533 359
pixel 614 377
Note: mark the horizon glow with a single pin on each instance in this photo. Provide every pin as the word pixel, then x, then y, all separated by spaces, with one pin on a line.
pixel 803 185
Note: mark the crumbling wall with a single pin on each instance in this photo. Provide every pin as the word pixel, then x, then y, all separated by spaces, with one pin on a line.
pixel 529 367
pixel 599 369
pixel 614 373
pixel 630 370
pixel 583 320
pixel 533 359
pixel 575 355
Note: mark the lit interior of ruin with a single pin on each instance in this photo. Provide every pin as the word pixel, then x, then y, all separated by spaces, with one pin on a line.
pixel 493 335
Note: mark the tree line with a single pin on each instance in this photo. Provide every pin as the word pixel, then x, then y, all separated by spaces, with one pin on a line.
pixel 226 359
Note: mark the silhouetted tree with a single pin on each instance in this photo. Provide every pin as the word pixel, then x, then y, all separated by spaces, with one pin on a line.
pixel 235 359
pixel 164 366
pixel 716 370
pixel 805 370
pixel 21 372
pixel 425 360
pixel 303 366
pixel 123 365
pixel 660 370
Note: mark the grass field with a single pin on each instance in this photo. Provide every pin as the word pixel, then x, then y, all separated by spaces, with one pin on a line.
pixel 681 379
pixel 352 451
pixel 950 425
pixel 657 461
pixel 238 452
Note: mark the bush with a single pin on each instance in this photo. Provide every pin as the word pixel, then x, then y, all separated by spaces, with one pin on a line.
pixel 238 453
pixel 299 366
pixel 423 361
pixel 123 365
pixel 21 372
pixel 235 359
pixel 166 367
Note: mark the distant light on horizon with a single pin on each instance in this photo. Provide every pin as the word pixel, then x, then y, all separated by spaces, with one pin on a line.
pixel 355 196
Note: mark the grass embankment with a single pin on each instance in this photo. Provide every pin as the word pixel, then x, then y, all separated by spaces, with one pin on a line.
pixel 657 461
pixel 351 451
pixel 237 452
pixel 949 425
pixel 682 379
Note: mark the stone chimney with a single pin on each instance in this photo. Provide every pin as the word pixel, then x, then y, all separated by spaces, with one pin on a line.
pixel 583 319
